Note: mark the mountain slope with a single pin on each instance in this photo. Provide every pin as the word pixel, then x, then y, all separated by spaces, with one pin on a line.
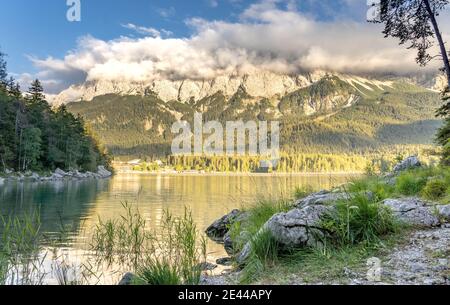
pixel 332 114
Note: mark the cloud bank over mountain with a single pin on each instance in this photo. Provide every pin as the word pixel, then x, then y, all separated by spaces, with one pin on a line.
pixel 271 34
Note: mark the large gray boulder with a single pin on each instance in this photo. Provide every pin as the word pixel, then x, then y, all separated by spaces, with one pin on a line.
pixel 407 164
pixel 413 211
pixel 220 227
pixel 321 198
pixel 300 227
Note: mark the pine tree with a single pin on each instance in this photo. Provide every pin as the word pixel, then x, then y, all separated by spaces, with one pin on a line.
pixel 3 72
pixel 36 91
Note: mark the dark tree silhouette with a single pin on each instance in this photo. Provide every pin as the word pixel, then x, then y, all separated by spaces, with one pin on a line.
pixel 3 72
pixel 414 22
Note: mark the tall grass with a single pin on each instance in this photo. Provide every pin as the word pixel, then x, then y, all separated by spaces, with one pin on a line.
pixel 124 241
pixel 264 248
pixel 171 256
pixel 21 258
pixel 359 220
pixel 256 216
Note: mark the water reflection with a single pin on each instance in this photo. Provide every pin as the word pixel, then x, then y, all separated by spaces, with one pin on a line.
pixel 77 205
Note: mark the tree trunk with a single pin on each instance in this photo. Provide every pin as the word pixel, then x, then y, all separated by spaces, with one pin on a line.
pixel 440 40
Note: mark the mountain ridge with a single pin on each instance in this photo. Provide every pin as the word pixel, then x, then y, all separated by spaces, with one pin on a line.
pixel 333 114
pixel 261 84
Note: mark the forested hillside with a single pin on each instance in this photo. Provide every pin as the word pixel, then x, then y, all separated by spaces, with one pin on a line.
pixel 331 116
pixel 36 137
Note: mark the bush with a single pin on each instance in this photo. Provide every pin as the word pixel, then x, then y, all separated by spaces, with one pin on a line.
pixel 159 273
pixel 435 189
pixel 410 184
pixel 359 220
pixel 377 186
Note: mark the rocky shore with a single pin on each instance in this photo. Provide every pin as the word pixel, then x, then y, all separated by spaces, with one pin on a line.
pixel 422 259
pixel 57 175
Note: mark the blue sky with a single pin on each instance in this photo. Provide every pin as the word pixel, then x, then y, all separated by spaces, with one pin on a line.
pixel 116 39
pixel 39 28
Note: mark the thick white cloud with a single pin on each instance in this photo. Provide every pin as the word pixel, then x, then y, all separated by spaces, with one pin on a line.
pixel 266 36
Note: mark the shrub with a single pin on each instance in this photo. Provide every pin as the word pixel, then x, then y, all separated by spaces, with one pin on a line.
pixel 377 186
pixel 410 184
pixel 435 189
pixel 359 220
pixel 159 273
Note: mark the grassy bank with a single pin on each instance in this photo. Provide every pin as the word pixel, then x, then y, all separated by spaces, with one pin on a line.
pixel 360 228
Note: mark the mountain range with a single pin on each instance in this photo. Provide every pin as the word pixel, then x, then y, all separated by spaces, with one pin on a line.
pixel 319 112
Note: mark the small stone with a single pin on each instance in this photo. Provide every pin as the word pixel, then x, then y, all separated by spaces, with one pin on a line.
pixel 206 266
pixel 225 261
pixel 127 279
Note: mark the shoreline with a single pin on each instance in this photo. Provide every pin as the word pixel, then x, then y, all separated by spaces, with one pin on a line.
pixel 57 175
pixel 235 174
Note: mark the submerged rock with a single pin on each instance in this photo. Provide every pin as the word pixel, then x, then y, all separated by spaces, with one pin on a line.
pixel 407 164
pixel 220 227
pixel 413 211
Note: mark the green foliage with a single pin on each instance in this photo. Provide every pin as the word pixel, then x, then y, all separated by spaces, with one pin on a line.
pixel 21 243
pixel 379 125
pixel 375 185
pixel 409 184
pixel 265 253
pixel 359 219
pixel 443 139
pixel 435 189
pixel 159 273
pixel 36 137
pixel 265 250
pixel 256 217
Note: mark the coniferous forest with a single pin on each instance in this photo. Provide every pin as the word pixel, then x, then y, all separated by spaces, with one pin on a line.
pixel 36 137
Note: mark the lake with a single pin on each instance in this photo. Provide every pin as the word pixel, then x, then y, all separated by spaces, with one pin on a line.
pixel 76 206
